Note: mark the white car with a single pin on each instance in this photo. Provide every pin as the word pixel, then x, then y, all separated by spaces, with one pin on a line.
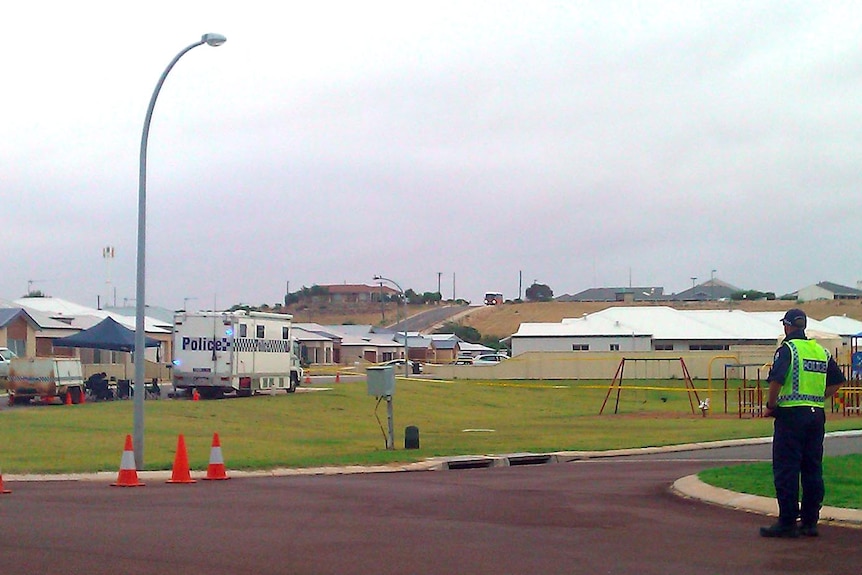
pixel 415 367
pixel 490 358
pixel 6 356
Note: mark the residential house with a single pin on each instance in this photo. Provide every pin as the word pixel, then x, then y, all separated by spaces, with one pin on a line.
pixel 827 290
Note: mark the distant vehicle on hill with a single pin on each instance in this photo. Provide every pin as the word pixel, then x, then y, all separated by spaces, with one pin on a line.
pixel 493 298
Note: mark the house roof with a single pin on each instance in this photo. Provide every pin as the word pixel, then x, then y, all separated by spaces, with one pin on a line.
pixel 10 314
pixel 838 289
pixel 312 332
pixel 652 293
pixel 353 335
pixel 709 290
pixel 83 317
pixel 665 323
pixel 842 325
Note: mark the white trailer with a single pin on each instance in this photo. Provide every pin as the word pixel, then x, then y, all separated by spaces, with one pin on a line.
pixel 218 353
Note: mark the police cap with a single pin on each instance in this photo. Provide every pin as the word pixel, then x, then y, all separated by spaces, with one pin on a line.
pixel 796 318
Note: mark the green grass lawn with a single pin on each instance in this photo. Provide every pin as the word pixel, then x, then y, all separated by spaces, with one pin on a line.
pixel 340 426
pixel 843 477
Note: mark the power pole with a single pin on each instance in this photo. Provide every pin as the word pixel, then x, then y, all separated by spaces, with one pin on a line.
pixel 439 275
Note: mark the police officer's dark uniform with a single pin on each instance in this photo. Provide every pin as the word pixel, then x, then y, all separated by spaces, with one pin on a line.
pixel 803 374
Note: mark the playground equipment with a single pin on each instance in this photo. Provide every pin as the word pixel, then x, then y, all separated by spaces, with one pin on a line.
pixel 750 398
pixel 617 383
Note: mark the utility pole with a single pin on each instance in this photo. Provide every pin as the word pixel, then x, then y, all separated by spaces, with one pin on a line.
pixel 453 286
pixel 439 275
pixel 108 256
pixel 520 282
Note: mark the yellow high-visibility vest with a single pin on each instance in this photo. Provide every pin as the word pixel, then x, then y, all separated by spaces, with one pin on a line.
pixel 805 382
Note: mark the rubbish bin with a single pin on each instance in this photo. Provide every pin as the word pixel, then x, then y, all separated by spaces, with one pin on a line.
pixel 417 368
pixel 411 437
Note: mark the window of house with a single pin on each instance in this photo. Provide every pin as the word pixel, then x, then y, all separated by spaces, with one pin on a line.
pixel 260 332
pixel 615 347
pixel 708 347
pixel 580 347
pixel 18 346
pixel 664 347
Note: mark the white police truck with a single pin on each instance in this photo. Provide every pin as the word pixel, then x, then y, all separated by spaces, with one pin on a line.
pixel 239 352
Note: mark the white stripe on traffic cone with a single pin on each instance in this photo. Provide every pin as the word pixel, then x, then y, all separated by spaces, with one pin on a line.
pixel 128 476
pixel 216 469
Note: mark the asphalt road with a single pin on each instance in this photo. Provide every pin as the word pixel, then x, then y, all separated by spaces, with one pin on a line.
pixel 610 516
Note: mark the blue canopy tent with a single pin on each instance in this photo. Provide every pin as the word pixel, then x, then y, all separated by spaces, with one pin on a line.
pixel 107 334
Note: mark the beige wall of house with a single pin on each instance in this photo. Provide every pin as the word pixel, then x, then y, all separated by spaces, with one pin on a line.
pixel 603 365
pixel 19 329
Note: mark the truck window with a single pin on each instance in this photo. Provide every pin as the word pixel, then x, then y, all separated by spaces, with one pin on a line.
pixel 285 332
pixel 261 332
pixel 243 330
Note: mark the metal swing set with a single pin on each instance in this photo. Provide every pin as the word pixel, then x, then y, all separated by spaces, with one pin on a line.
pixel 617 384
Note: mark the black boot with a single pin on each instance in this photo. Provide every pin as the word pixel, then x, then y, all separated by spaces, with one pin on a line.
pixel 780 529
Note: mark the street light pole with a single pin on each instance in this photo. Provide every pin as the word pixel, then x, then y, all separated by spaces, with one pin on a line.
pixel 140 304
pixel 404 300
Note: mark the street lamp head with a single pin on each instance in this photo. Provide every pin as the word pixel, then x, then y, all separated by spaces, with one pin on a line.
pixel 213 39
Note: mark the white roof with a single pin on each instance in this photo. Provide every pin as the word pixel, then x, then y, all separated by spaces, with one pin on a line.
pixel 83 317
pixel 843 325
pixel 361 335
pixel 666 323
pixel 589 325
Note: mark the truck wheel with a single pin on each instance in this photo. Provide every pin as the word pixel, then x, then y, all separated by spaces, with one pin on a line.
pixel 75 392
pixel 294 382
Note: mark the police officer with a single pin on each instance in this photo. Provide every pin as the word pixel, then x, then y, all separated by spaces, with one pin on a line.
pixel 803 375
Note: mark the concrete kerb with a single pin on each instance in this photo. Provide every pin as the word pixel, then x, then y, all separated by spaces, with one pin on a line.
pixel 689 487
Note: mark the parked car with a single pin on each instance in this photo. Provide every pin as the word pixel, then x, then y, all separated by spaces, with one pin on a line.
pixel 6 356
pixel 490 358
pixel 415 366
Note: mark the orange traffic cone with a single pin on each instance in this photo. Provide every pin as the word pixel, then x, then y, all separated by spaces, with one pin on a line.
pixel 180 473
pixel 215 469
pixel 128 476
pixel 337 377
pixel 307 379
pixel 2 489
pixel 68 398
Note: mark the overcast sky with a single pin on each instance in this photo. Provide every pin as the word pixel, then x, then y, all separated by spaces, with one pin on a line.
pixel 582 144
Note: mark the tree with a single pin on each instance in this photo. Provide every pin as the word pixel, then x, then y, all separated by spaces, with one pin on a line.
pixel 431 297
pixel 464 332
pixel 539 292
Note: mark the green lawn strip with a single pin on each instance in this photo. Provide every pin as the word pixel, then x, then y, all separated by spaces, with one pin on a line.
pixel 340 426
pixel 842 474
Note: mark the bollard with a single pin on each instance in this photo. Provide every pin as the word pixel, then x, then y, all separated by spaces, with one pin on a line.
pixel 411 437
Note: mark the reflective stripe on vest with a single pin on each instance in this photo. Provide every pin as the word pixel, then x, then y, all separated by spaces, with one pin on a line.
pixel 805 383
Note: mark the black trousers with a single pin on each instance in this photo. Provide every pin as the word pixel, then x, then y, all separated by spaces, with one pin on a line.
pixel 797 452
